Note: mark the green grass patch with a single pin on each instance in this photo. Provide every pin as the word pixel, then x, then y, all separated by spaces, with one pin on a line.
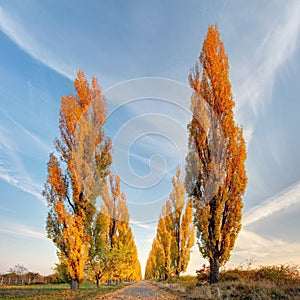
pixel 55 292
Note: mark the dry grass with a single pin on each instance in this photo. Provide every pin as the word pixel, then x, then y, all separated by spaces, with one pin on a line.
pixel 266 282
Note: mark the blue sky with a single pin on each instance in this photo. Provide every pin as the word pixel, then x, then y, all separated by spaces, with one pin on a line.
pixel 141 52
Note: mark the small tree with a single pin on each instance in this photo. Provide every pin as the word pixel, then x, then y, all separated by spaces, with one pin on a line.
pixel 216 177
pixel 114 254
pixel 20 271
pixel 61 273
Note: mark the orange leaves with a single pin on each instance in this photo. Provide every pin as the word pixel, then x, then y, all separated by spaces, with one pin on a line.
pixel 218 150
pixel 84 93
pixel 215 84
pixel 73 185
pixel 120 253
pixel 55 180
pixel 174 235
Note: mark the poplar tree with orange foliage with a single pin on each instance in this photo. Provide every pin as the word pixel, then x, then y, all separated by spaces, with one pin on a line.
pixel 120 259
pixel 215 171
pixel 155 262
pixel 182 228
pixel 171 248
pixel 75 173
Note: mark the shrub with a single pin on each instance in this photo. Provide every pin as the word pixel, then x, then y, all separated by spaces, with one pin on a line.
pixel 231 275
pixel 203 274
pixel 279 275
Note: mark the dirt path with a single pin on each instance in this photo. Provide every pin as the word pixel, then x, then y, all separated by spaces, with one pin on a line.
pixel 140 290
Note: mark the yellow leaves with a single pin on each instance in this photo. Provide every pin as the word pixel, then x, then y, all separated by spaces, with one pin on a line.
pixel 55 180
pixel 74 252
pixel 84 93
pixel 219 222
pixel 120 257
pixel 170 251
pixel 73 186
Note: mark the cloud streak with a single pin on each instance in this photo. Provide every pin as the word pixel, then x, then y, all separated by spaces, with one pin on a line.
pixel 275 51
pixel 26 42
pixel 13 172
pixel 264 251
pixel 282 200
pixel 19 230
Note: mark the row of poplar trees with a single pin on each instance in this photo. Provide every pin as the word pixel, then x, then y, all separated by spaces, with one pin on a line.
pixel 215 179
pixel 171 247
pixel 88 219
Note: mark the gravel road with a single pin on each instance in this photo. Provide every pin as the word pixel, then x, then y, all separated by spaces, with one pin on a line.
pixel 140 290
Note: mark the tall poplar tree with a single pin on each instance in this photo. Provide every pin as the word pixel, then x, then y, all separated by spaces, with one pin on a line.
pixel 171 248
pixel 182 228
pixel 216 178
pixel 121 258
pixel 155 262
pixel 75 173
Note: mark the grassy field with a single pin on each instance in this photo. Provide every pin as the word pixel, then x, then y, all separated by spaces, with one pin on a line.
pixel 266 282
pixel 54 292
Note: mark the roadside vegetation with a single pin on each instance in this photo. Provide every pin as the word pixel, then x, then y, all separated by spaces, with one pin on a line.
pixel 264 282
pixel 55 291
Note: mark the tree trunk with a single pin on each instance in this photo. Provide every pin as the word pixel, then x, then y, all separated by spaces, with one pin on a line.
pixel 166 276
pixel 214 271
pixel 74 286
pixel 98 281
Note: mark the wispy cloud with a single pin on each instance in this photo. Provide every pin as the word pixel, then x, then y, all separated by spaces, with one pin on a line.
pixel 18 230
pixel 12 170
pixel 276 49
pixel 264 250
pixel 141 224
pixel 15 31
pixel 32 136
pixel 249 245
pixel 284 199
pixel 255 76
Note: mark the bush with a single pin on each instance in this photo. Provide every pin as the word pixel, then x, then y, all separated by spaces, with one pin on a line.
pixel 279 275
pixel 203 274
pixel 231 275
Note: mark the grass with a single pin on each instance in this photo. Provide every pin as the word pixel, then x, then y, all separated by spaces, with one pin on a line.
pixel 265 282
pixel 54 292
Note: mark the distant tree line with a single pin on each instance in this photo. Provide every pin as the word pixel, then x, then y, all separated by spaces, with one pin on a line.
pixel 19 275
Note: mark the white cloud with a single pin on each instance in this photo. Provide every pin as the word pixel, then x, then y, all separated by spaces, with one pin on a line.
pixel 24 186
pixel 250 245
pixel 32 136
pixel 12 170
pixel 284 199
pixel 16 32
pixel 277 48
pixel 19 230
pixel 141 224
pixel 255 75
pixel 248 134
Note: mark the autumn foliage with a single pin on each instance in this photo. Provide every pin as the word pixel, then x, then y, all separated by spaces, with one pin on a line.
pixel 76 177
pixel 97 242
pixel 116 256
pixel 216 177
pixel 171 248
